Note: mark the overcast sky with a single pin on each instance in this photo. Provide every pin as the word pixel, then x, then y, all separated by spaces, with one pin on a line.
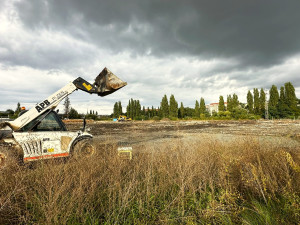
pixel 191 49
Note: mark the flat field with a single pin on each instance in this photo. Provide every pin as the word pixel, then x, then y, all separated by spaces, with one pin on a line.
pixel 285 133
pixel 182 172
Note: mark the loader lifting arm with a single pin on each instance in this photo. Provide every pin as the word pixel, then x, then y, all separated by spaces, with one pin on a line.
pixel 105 83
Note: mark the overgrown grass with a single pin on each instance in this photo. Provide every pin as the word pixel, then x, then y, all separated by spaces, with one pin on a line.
pixel 209 182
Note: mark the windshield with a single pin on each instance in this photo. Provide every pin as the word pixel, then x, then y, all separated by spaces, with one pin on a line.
pixel 51 122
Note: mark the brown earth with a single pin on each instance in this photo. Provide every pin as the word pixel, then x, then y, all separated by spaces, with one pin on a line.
pixel 285 132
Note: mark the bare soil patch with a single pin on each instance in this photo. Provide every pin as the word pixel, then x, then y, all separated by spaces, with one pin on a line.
pixel 143 132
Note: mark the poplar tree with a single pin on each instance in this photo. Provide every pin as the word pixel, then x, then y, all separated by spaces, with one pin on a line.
pixel 152 112
pixel 229 103
pixel 250 101
pixel 144 111
pixel 221 106
pixel 290 97
pixel 164 106
pixel 132 110
pixel 173 107
pixel 235 101
pixel 256 101
pixel 262 102
pixel 273 101
pixel 197 109
pixel 128 109
pixel 18 109
pixel 202 106
pixel 120 111
pixel 282 107
pixel 115 111
pixel 181 110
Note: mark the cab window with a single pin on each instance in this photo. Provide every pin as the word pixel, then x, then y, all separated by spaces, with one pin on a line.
pixel 49 123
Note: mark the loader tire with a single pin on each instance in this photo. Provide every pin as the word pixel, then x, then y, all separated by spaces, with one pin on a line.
pixel 84 148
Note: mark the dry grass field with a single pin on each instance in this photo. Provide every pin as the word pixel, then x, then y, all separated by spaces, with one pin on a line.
pixel 218 173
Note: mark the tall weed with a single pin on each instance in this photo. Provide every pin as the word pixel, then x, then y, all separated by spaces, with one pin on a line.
pixel 209 181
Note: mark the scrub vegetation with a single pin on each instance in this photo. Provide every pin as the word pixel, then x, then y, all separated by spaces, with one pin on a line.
pixel 209 182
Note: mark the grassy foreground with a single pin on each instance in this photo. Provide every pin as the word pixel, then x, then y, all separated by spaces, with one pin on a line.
pixel 209 182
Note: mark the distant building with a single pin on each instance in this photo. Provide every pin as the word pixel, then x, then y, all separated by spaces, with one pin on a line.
pixel 214 107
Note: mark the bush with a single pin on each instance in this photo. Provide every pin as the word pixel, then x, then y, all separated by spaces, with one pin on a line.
pixel 156 118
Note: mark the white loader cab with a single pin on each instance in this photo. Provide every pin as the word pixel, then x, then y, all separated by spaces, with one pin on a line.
pixel 47 137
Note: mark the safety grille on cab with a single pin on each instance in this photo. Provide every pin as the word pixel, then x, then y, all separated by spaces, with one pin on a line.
pixel 32 148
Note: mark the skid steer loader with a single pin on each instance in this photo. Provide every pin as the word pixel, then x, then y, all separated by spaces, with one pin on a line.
pixel 39 133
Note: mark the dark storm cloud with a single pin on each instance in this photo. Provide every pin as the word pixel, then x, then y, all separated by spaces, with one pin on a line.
pixel 46 57
pixel 257 33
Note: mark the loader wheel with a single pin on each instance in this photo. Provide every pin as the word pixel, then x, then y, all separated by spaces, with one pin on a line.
pixel 84 148
pixel 87 149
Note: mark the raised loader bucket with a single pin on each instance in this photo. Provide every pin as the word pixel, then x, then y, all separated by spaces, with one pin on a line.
pixel 106 83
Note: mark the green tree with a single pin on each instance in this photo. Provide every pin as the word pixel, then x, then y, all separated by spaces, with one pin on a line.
pixel 132 110
pixel 256 102
pixel 181 111
pixel 138 109
pixel 239 113
pixel 120 110
pixel 116 110
pixel 10 112
pixel 189 112
pixel 235 101
pixel 202 106
pixel 283 109
pixel 262 102
pixel 152 112
pixel 221 106
pixel 173 107
pixel 18 109
pixel 164 105
pixel 197 109
pixel 144 111
pixel 128 109
pixel 290 97
pixel 148 113
pixel 273 101
pixel 250 101
pixel 229 103
pixel 73 114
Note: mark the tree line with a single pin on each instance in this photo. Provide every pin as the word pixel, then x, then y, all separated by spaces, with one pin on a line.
pixel 281 104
